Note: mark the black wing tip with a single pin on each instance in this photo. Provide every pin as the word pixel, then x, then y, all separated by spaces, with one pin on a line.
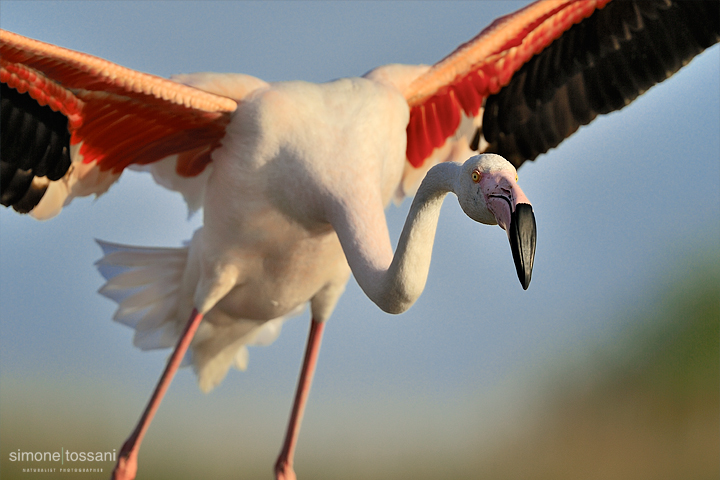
pixel 34 149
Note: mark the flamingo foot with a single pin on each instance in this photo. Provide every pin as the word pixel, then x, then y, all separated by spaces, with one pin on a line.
pixel 284 471
pixel 126 467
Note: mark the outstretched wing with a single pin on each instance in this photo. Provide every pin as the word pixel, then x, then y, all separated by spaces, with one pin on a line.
pixel 72 122
pixel 531 78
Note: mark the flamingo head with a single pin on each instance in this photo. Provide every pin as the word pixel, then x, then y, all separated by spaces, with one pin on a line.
pixel 488 193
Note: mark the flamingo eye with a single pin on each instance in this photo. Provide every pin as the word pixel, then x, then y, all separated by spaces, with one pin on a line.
pixel 476 176
pixel 516 177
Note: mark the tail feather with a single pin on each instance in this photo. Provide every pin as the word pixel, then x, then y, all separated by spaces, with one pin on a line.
pixel 146 283
pixel 165 336
pixel 137 277
pixel 146 318
pixel 154 317
pixel 162 288
pixel 127 256
pixel 129 319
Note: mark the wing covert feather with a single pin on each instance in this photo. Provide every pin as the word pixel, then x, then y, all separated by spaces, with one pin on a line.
pixel 481 67
pixel 536 75
pixel 114 117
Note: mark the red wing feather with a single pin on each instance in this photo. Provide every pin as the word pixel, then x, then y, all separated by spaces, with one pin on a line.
pixel 481 67
pixel 121 116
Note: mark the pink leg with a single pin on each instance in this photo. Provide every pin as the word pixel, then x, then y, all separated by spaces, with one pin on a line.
pixel 284 465
pixel 126 467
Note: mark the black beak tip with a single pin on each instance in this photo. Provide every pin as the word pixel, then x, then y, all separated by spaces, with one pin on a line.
pixel 523 236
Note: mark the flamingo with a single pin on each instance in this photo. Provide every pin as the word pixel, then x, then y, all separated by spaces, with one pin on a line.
pixel 110 248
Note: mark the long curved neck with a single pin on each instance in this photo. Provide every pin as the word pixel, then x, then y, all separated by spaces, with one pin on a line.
pixel 397 288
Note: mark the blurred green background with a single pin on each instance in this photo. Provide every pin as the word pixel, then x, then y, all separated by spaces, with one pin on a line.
pixel 642 402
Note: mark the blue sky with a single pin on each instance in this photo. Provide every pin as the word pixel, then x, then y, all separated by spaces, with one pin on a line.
pixel 617 205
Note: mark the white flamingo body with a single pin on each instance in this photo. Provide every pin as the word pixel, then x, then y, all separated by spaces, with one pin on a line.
pixel 274 194
pixel 267 246
pixel 275 202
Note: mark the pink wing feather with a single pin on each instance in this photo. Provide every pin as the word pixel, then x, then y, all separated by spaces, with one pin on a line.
pixel 115 117
pixel 119 115
pixel 481 67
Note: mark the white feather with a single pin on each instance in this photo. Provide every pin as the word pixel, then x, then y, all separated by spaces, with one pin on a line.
pixel 165 174
pixel 146 283
pixel 81 179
